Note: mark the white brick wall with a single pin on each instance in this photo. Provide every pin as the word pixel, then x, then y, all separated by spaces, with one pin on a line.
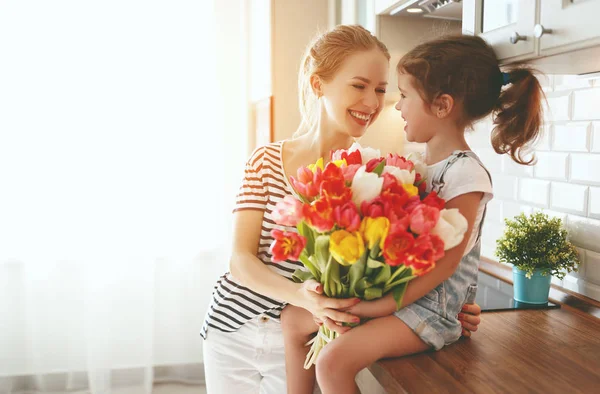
pixel 565 181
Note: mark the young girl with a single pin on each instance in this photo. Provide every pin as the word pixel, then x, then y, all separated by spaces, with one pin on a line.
pixel 445 85
pixel 342 85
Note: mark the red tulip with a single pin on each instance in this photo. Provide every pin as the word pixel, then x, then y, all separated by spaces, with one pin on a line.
pixel 433 200
pixel 336 192
pixel 352 158
pixel 421 257
pixel 374 163
pixel 319 215
pixel 287 245
pixel 397 245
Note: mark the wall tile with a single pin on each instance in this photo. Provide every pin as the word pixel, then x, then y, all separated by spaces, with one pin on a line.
pixel 534 191
pixel 585 168
pixel 505 187
pixel 551 166
pixel 568 197
pixel 559 106
pixel 572 137
pixel 595 137
pixel 584 232
pixel 512 168
pixel 585 104
pixel 594 203
pixel 592 267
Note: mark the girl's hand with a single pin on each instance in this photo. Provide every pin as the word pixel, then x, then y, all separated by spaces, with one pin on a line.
pixel 469 319
pixel 327 310
pixel 381 307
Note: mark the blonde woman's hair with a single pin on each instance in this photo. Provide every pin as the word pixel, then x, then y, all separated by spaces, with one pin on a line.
pixel 323 58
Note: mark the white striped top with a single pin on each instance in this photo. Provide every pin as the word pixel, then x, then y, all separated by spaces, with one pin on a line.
pixel 263 186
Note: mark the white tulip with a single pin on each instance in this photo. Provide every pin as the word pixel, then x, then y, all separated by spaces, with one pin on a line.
pixel 365 186
pixel 451 227
pixel 403 176
pixel 367 153
pixel 420 166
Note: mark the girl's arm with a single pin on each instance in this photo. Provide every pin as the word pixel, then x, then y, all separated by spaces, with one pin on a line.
pixel 252 273
pixel 468 205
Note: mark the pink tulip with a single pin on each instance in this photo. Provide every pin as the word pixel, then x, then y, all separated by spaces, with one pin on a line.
pixel 288 212
pixel 423 218
pixel 402 163
pixel 347 217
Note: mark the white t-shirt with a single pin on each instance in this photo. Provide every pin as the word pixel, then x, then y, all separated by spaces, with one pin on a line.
pixel 466 175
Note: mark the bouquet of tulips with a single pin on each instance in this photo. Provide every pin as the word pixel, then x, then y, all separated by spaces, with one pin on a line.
pixel 364 227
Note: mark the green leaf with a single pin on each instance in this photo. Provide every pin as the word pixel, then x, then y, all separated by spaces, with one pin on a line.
pixel 397 272
pixel 373 293
pixel 322 250
pixel 308 233
pixel 311 267
pixel 357 271
pixel 361 286
pixel 372 263
pixel 375 252
pixel 383 276
pixel 379 169
pixel 398 294
pixel 300 276
pixel 397 282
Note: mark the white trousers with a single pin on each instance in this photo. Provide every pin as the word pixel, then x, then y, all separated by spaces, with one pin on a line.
pixel 248 361
pixel 252 361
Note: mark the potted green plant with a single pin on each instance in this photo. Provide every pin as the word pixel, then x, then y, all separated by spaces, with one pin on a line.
pixel 537 247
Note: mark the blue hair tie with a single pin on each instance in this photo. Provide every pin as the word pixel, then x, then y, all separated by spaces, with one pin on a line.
pixel 505 78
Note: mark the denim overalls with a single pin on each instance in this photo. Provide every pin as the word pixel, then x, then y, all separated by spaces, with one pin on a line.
pixel 434 317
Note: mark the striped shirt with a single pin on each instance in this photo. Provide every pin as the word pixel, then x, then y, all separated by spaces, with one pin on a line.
pixel 263 186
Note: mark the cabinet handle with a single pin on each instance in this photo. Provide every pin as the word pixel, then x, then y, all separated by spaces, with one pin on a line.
pixel 540 30
pixel 516 37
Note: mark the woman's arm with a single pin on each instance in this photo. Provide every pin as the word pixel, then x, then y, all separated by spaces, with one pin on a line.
pixel 468 205
pixel 246 267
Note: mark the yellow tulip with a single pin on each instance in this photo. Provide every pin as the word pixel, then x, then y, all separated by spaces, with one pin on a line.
pixel 346 247
pixel 375 230
pixel 339 163
pixel 318 164
pixel 412 190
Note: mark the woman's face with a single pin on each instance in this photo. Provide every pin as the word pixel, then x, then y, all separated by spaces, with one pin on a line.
pixel 354 97
pixel 420 123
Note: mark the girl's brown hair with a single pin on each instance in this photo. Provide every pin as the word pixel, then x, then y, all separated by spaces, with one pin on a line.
pixel 466 68
pixel 323 58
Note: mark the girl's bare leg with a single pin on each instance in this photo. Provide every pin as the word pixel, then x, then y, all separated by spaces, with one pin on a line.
pixel 297 325
pixel 342 359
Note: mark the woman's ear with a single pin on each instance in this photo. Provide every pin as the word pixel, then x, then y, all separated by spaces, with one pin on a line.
pixel 317 86
pixel 443 105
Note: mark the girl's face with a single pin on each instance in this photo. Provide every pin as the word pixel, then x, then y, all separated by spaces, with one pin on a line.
pixel 354 97
pixel 421 124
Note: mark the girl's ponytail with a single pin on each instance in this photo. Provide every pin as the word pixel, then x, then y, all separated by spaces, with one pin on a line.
pixel 519 114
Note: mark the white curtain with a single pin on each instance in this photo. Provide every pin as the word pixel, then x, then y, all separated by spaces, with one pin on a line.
pixel 117 174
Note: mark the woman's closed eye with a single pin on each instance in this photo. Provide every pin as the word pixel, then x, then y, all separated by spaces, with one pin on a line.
pixel 362 87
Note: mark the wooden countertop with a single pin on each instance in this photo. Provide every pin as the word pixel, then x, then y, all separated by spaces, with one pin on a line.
pixel 518 351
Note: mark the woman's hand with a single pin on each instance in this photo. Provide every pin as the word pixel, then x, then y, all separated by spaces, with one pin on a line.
pixel 469 319
pixel 328 311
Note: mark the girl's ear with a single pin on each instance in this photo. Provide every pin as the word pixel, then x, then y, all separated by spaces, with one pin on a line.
pixel 443 105
pixel 317 87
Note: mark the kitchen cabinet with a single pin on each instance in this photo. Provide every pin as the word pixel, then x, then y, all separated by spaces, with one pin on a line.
pixel 567 25
pixel 507 25
pixel 558 36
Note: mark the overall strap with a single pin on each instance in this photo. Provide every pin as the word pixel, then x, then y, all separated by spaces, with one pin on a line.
pixel 437 183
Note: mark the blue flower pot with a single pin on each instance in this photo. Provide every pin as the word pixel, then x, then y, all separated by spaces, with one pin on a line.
pixel 532 290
